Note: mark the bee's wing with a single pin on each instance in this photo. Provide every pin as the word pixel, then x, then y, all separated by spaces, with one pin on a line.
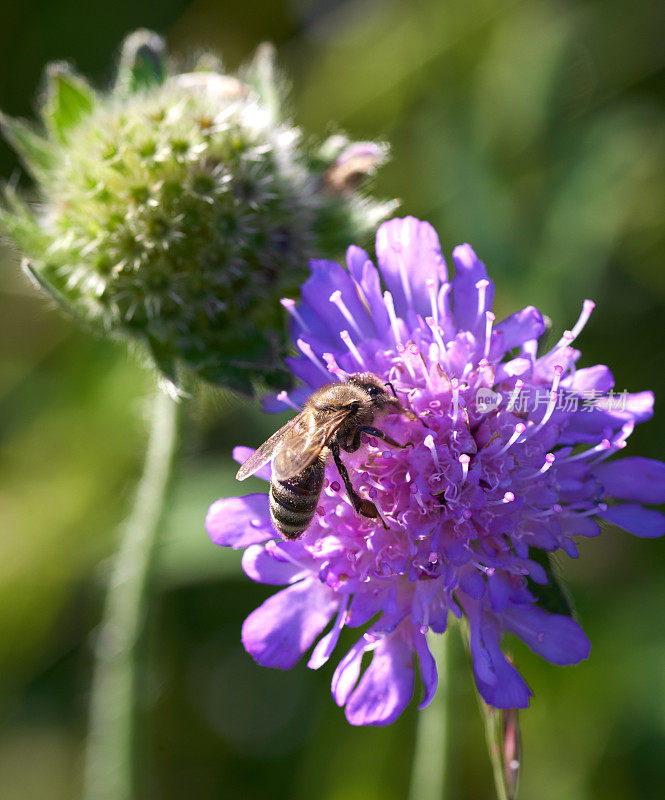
pixel 302 444
pixel 264 453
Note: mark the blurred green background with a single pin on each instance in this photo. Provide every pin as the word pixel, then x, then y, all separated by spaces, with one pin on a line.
pixel 536 131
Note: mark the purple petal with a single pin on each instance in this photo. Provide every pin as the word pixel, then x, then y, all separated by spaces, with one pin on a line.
pixel 520 327
pixel 428 671
pixel 642 522
pixel 499 683
pixel 326 644
pixel 278 632
pixel 578 525
pixel 240 521
pixel 598 378
pixel 259 565
pixel 346 675
pixel 638 406
pixel 323 318
pixel 409 255
pixel 367 279
pixel 634 478
pixel 386 686
pixel 241 454
pixel 468 271
pixel 555 637
pixel 356 258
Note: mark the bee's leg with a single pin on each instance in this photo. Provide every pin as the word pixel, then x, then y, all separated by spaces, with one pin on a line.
pixel 361 506
pixel 381 435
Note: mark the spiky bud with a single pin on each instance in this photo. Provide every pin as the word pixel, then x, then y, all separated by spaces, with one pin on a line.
pixel 177 209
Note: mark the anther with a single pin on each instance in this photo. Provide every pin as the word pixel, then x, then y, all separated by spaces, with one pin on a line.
pixel 306 349
pixel 283 397
pixel 290 306
pixel 519 385
pixel 436 332
pixel 429 444
pixel 482 285
pixel 431 290
pixel 570 336
pixel 390 308
pixel 489 320
pixel 333 367
pixel 454 383
pixel 464 461
pixel 336 299
pixel 517 432
pixel 346 338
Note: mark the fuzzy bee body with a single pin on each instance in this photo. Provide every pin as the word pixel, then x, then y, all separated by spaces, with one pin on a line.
pixel 293 501
pixel 333 419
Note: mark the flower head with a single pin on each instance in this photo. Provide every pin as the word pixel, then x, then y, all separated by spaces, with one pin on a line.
pixel 508 464
pixel 177 209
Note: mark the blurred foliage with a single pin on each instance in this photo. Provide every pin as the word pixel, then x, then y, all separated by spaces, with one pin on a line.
pixel 534 130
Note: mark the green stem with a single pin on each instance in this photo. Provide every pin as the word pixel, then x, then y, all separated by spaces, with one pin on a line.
pixel 428 775
pixel 108 760
pixel 492 722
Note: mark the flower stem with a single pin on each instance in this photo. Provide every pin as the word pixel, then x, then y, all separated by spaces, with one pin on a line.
pixel 428 775
pixel 109 764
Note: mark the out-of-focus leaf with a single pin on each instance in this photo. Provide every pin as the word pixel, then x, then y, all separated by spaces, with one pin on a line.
pixel 35 151
pixel 69 99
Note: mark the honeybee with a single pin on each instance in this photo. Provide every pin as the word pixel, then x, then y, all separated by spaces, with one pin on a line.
pixel 332 420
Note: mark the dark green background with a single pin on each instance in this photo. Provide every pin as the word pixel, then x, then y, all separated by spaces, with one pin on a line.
pixel 536 131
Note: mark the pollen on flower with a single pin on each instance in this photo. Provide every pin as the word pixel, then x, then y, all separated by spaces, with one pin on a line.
pixel 498 474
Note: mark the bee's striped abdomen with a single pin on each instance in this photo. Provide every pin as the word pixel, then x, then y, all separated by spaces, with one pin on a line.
pixel 293 502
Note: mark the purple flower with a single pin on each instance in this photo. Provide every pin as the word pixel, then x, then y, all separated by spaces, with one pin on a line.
pixel 508 464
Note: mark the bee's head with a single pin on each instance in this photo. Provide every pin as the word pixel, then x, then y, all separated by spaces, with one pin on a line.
pixel 376 389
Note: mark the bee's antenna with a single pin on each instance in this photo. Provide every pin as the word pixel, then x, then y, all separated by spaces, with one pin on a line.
pixel 392 388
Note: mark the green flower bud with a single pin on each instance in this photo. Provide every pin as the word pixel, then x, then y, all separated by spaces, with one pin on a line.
pixel 177 209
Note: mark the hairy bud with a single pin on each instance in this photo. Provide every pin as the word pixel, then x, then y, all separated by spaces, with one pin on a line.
pixel 177 209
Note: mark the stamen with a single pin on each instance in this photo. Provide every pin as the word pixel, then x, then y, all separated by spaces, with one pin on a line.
pixel 519 430
pixel 508 497
pixel 283 397
pixel 464 461
pixel 482 285
pixel 334 367
pixel 443 300
pixel 519 385
pixel 367 478
pixel 550 458
pixel 429 444
pixel 290 306
pixel 489 319
pixel 336 298
pixel 346 338
pixel 306 349
pixel 570 336
pixel 594 510
pixel 436 332
pixel 431 290
pixel 401 349
pixel 415 491
pixel 390 307
pixel 551 404
pixel 454 383
pixel 599 448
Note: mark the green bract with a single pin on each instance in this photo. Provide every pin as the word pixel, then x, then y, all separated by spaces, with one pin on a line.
pixel 178 208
